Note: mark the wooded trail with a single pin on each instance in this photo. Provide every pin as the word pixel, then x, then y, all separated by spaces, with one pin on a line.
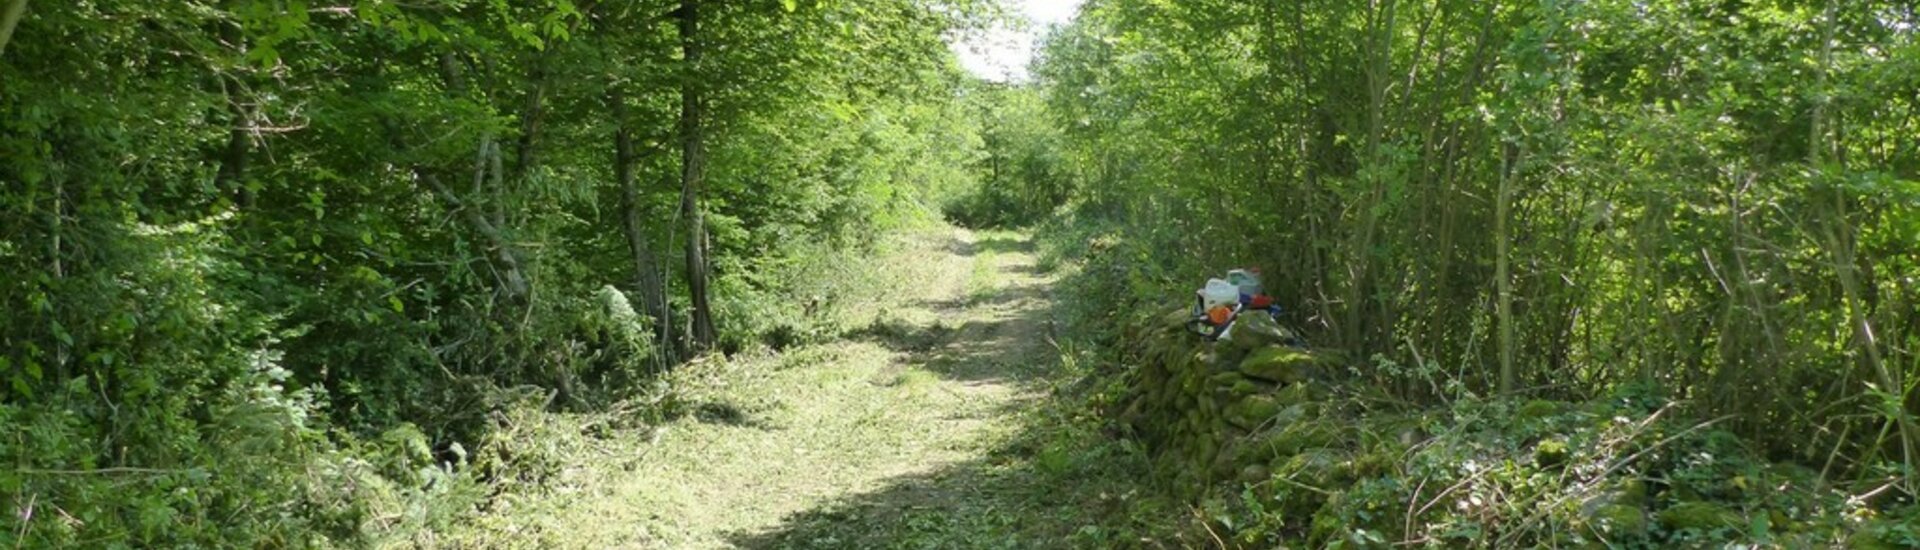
pixel 851 443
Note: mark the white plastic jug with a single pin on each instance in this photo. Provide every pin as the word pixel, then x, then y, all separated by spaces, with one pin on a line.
pixel 1219 292
pixel 1246 281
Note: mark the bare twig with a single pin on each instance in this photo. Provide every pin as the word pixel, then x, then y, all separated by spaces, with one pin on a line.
pixel 26 521
pixel 1407 530
pixel 1448 490
pixel 1203 525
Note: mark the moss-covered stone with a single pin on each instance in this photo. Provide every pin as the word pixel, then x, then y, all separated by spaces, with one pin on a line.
pixel 1246 387
pixel 1614 521
pixel 1699 516
pixel 1204 358
pixel 1254 331
pixel 1283 440
pixel 1254 473
pixel 1205 450
pixel 1550 453
pixel 1278 363
pixel 1319 468
pixel 1253 410
pixel 1294 394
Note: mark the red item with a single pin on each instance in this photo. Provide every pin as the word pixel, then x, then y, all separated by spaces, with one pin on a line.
pixel 1219 315
pixel 1261 301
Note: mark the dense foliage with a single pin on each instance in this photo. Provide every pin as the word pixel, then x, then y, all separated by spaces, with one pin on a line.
pixel 289 273
pixel 274 268
pixel 1717 201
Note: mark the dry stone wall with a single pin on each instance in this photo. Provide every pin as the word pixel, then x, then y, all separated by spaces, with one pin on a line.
pixel 1233 409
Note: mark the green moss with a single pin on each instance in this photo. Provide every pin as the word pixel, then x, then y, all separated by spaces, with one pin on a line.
pixel 1253 410
pixel 1253 332
pixel 1294 394
pixel 1539 408
pixel 1248 387
pixel 1867 540
pixel 1699 516
pixel 1278 363
pixel 1375 464
pixel 1290 439
pixel 1319 468
pixel 1550 453
pixel 1614 521
pixel 1254 473
pixel 1225 379
pixel 1175 320
pixel 1632 491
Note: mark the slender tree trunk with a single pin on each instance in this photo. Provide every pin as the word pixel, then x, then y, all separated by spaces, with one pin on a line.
pixel 15 10
pixel 59 221
pixel 1380 31
pixel 1840 246
pixel 1503 260
pixel 526 147
pixel 233 158
pixel 693 167
pixel 646 269
pixel 530 118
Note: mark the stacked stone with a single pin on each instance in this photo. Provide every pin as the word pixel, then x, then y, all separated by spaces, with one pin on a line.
pixel 1235 408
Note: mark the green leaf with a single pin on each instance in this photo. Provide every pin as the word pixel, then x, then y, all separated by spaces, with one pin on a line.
pixel 791 5
pixel 60 333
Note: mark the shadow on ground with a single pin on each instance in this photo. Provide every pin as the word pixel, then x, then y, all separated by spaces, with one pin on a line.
pixel 1005 335
pixel 718 412
pixel 1049 488
pixel 997 243
pixel 1057 481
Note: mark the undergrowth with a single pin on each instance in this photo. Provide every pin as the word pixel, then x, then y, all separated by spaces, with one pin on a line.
pixel 1366 467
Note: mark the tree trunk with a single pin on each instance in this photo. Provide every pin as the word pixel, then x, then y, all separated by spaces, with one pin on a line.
pixel 1503 260
pixel 693 173
pixel 514 281
pixel 233 157
pixel 15 10
pixel 646 273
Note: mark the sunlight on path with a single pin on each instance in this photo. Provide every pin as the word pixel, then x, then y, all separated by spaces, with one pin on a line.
pixel 940 379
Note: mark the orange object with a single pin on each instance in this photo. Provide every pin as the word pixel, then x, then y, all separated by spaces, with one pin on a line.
pixel 1219 315
pixel 1261 301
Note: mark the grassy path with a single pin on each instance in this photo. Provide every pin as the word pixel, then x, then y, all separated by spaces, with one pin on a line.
pixel 928 428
